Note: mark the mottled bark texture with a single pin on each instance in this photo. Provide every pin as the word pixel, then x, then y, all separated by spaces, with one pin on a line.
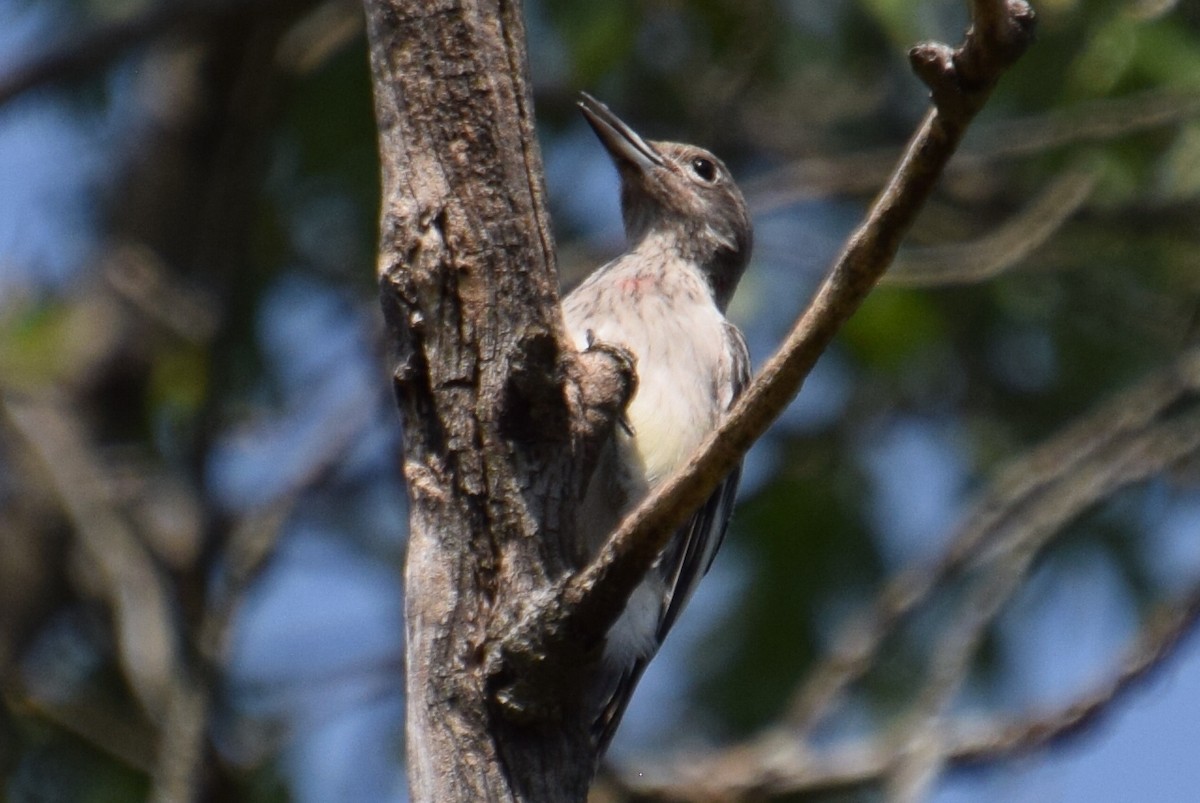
pixel 500 415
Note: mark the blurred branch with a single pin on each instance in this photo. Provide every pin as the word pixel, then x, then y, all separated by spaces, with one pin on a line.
pixel 107 727
pixel 146 628
pixel 782 765
pixel 315 38
pixel 1142 432
pixel 88 53
pixel 183 740
pixel 1019 538
pixel 176 691
pixel 1161 634
pixel 85 54
pixel 133 586
pixel 245 552
pixel 1095 121
pixel 1099 120
pixel 1015 239
pixel 1014 489
pixel 185 745
pixel 171 631
pixel 140 276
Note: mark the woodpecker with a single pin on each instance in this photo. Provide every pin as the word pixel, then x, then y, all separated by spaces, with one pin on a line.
pixel 663 300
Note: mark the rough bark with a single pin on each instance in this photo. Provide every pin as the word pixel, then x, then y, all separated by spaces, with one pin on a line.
pixel 500 414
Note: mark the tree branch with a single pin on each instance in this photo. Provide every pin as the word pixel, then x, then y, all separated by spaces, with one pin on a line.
pixel 1000 508
pixel 135 590
pixel 780 764
pixel 1021 536
pixel 1160 637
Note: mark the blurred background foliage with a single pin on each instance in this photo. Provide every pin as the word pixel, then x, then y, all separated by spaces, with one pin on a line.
pixel 201 512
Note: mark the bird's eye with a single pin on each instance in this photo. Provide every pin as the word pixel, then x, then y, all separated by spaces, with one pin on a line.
pixel 704 168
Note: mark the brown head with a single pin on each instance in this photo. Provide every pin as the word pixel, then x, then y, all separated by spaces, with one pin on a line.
pixel 680 191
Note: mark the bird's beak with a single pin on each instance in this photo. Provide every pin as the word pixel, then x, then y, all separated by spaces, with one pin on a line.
pixel 621 141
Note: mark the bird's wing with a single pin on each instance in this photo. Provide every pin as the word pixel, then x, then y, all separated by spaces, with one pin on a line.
pixel 690 553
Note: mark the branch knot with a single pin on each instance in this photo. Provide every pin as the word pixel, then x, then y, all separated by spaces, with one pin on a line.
pixel 961 79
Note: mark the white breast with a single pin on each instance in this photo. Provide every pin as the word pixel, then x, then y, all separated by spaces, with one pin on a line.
pixel 678 337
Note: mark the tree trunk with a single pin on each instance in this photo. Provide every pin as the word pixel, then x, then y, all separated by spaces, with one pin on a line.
pixel 490 394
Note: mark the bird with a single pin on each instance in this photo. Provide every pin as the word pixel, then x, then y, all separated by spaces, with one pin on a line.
pixel 663 301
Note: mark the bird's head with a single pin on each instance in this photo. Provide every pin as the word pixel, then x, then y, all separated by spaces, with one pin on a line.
pixel 680 191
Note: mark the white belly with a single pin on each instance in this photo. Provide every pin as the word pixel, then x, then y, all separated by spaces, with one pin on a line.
pixel 675 406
